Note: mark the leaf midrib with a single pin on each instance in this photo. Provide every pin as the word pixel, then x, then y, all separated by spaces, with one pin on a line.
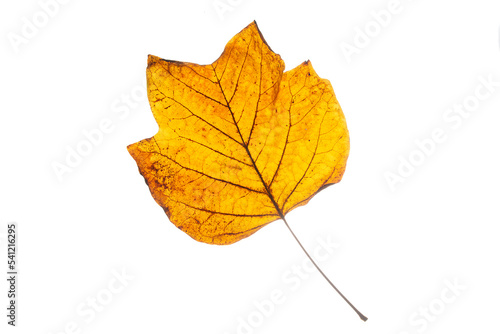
pixel 244 144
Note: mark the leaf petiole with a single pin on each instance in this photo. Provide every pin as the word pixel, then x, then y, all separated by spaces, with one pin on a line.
pixel 362 317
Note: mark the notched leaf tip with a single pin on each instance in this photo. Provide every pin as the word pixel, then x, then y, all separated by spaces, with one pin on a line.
pixel 254 25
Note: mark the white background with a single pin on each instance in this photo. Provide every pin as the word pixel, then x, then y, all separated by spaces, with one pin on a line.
pixel 397 247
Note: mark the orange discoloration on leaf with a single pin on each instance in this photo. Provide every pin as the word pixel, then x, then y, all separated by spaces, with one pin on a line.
pixel 241 142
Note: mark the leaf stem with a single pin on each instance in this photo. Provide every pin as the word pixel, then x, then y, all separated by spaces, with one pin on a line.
pixel 322 273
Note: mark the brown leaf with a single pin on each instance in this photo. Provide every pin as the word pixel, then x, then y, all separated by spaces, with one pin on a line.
pixel 240 142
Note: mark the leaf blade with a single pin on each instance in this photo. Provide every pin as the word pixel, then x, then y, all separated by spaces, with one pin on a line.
pixel 241 143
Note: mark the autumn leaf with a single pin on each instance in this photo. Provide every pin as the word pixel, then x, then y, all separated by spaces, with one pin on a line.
pixel 241 142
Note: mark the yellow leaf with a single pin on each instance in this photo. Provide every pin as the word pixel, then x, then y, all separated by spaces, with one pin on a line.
pixel 240 141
